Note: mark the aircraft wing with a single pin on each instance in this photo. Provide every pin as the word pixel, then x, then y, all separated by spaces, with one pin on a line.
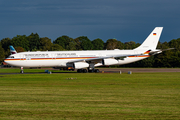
pixel 98 59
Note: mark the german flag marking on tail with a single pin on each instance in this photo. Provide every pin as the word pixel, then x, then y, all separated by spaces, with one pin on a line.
pixel 147 52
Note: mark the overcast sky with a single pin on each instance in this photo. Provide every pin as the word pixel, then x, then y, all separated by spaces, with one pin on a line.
pixel 125 20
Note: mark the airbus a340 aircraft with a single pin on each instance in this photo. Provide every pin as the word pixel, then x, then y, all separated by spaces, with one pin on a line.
pixel 86 59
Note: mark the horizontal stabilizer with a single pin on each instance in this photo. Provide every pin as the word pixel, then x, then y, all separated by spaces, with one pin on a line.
pixel 159 51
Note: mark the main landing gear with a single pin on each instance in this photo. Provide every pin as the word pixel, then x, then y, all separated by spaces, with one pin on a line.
pixel 82 71
pixel 90 71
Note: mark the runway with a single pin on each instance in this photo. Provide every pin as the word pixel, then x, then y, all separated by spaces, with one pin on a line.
pixel 107 70
pixel 138 70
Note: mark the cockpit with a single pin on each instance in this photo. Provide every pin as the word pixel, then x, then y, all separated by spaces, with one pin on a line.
pixel 11 56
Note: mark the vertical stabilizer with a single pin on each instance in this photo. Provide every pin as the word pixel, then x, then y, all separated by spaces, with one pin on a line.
pixel 152 40
pixel 12 50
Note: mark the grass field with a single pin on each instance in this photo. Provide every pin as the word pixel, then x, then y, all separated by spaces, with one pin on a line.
pixel 90 96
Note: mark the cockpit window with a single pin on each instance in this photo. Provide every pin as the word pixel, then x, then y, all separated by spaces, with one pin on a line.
pixel 11 56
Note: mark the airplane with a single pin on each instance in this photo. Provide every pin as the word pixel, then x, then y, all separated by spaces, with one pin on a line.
pixel 86 61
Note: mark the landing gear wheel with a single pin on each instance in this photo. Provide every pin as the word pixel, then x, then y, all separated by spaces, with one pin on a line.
pixel 79 70
pixel 91 71
pixel 84 71
pixel 96 70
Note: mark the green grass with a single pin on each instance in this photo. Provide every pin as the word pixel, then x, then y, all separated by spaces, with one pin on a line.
pixel 90 96
pixel 17 70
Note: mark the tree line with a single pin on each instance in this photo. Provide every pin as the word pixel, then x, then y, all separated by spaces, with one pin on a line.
pixel 33 42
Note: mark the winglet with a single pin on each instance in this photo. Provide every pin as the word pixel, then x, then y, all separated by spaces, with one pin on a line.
pixel 12 50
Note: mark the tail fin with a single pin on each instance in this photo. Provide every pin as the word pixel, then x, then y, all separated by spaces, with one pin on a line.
pixel 12 50
pixel 152 40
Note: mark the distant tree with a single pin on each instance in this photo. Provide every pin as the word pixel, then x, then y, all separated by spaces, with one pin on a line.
pixel 19 49
pixel 2 55
pixel 6 42
pixel 162 60
pixel 162 46
pixel 120 45
pixel 170 58
pixel 72 45
pixel 174 58
pixel 175 43
pixel 98 44
pixel 62 41
pixel 111 44
pixel 66 42
pixel 34 42
pixel 20 41
pixel 78 44
pixel 148 62
pixel 45 44
pixel 130 45
pixel 56 47
pixel 83 43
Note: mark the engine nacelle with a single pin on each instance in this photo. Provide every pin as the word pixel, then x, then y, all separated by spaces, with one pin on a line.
pixel 110 61
pixel 76 65
pixel 79 65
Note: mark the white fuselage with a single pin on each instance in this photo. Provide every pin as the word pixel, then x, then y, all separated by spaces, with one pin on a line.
pixel 61 58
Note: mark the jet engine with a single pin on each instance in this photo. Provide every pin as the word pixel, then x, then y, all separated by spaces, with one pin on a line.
pixel 110 61
pixel 79 65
